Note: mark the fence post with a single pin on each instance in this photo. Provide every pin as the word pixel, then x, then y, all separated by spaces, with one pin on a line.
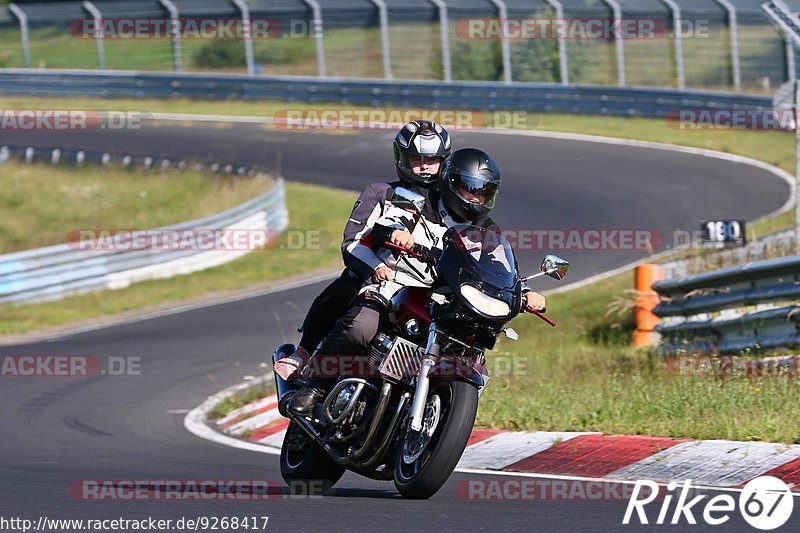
pixel 383 15
pixel 733 28
pixel 677 26
pixel 505 46
pixel 563 59
pixel 23 29
pixel 175 30
pixel 618 42
pixel 98 36
pixel 646 300
pixel 316 13
pixel 247 35
pixel 445 37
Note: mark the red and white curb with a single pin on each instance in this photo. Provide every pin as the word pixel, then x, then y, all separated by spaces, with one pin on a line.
pixel 626 458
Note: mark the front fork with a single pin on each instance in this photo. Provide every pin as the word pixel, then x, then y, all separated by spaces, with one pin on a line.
pixel 423 381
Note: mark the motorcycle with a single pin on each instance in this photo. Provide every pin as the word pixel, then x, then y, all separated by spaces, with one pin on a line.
pixel 409 416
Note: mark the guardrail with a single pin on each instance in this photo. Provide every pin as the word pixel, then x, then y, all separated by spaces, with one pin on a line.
pixel 689 303
pixel 125 159
pixel 531 97
pixel 56 271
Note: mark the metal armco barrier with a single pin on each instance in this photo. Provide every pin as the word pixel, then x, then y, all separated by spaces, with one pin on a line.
pixel 727 291
pixel 56 271
pixel 532 97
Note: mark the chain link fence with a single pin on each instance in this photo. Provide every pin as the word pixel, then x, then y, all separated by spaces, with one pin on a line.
pixel 695 44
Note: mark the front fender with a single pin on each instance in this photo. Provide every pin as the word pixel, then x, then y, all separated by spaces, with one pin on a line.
pixel 473 372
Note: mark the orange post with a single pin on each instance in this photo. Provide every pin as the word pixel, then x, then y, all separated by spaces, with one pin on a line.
pixel 647 299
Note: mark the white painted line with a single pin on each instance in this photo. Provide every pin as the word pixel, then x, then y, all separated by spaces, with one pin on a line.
pixel 275 440
pixel 716 462
pixel 195 421
pixel 503 449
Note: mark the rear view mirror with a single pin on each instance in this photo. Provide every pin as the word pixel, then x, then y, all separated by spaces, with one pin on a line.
pixel 408 199
pixel 555 267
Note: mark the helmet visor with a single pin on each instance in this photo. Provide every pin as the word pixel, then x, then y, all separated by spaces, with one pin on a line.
pixel 423 166
pixel 474 189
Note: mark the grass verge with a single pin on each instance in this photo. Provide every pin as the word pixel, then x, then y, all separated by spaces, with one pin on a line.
pixel 42 203
pixel 315 213
pixel 238 400
pixel 585 376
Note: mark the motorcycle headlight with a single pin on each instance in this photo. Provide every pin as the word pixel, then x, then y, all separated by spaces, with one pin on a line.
pixel 484 303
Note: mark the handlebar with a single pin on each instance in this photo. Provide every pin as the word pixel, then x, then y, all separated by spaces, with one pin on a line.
pixel 541 315
pixel 417 252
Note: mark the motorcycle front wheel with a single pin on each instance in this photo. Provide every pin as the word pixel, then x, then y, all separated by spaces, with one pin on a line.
pixel 305 467
pixel 426 459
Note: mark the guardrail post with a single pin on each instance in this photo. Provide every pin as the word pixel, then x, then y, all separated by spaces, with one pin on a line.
pixel 646 300
pixel 23 30
pixel 316 13
pixel 677 26
pixel 248 36
pixel 175 31
pixel 383 15
pixel 563 59
pixel 502 10
pixel 98 36
pixel 733 29
pixel 618 42
pixel 444 34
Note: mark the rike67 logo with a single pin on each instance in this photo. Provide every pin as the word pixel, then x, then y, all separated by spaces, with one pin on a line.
pixel 765 503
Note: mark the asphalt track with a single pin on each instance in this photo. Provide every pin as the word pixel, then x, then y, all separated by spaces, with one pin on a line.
pixel 57 431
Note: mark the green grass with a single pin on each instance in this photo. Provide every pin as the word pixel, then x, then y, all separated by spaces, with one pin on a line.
pixel 311 209
pixel 42 203
pixel 238 400
pixel 584 376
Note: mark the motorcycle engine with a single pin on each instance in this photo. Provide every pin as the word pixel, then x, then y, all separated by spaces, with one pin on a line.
pixel 351 425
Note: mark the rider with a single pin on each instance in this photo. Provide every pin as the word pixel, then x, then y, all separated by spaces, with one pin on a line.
pixel 420 148
pixel 468 186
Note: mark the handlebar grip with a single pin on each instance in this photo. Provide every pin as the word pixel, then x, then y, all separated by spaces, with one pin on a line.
pixel 541 315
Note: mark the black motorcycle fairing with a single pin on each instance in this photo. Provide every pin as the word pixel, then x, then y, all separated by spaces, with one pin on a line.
pixel 485 260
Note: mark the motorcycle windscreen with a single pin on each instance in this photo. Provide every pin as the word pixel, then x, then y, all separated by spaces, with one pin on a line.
pixel 477 254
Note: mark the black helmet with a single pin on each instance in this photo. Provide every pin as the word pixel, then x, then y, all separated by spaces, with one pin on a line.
pixel 469 184
pixel 421 138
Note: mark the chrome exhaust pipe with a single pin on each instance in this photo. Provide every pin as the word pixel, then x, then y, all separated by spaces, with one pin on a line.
pixel 394 425
pixel 377 418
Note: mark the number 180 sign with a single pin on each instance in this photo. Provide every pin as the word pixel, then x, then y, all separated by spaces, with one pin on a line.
pixel 724 233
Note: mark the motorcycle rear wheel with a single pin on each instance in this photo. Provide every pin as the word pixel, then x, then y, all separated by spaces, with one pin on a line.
pixel 419 475
pixel 305 467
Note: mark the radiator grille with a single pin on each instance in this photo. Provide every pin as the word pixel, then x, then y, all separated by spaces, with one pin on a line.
pixel 403 361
